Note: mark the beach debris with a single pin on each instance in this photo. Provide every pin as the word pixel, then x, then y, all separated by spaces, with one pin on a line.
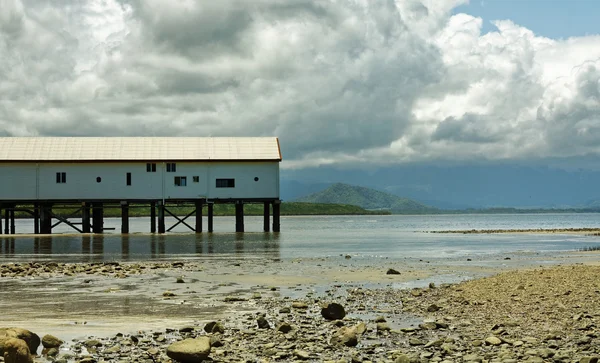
pixel 333 311
pixel 392 271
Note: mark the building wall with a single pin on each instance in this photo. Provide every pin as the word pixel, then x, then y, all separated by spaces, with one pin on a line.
pixel 18 181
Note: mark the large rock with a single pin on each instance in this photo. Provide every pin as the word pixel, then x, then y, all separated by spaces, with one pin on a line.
pixel 214 327
pixel 345 336
pixel 190 350
pixel 16 351
pixel 32 339
pixel 333 311
pixel 50 341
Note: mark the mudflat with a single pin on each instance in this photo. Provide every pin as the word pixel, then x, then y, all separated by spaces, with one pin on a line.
pixel 522 307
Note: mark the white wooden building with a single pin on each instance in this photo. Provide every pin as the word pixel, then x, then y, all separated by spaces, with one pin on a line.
pixel 139 169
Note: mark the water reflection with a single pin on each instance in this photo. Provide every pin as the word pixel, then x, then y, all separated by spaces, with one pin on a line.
pixel 113 247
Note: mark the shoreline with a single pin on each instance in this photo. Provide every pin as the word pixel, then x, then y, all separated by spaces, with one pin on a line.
pixel 577 231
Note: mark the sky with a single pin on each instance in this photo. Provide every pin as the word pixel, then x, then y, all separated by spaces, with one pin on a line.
pixel 340 82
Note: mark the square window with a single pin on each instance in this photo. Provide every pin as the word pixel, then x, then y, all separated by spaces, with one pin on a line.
pixel 171 167
pixel 180 181
pixel 61 178
pixel 151 167
pixel 196 179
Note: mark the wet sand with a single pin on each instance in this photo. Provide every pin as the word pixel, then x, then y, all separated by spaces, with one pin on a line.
pixel 105 299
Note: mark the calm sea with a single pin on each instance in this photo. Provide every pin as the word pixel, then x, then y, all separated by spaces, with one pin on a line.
pixel 306 237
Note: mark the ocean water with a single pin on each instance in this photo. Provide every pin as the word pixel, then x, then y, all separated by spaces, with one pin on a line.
pixel 395 236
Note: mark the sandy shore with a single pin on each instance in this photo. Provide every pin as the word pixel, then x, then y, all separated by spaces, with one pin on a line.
pixel 579 231
pixel 520 294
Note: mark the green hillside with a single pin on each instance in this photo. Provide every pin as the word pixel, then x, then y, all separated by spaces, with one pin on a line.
pixel 367 198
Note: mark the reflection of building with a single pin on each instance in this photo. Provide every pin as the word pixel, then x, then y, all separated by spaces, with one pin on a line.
pixel 135 247
pixel 95 172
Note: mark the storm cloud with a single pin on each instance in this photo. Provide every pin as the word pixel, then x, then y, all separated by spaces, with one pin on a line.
pixel 339 82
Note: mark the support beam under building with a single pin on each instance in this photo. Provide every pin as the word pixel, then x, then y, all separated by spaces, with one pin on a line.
pixel 97 217
pixel 12 220
pixel 199 205
pixel 161 218
pixel 6 221
pixel 124 217
pixel 46 218
pixel 239 216
pixel 86 225
pixel 210 216
pixel 1 232
pixel 36 218
pixel 152 217
pixel 266 216
pixel 276 215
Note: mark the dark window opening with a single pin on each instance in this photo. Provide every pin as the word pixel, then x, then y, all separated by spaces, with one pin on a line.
pixel 61 177
pixel 225 183
pixel 180 181
pixel 171 167
pixel 196 179
pixel 98 179
pixel 150 168
pixel 128 178
pixel 255 178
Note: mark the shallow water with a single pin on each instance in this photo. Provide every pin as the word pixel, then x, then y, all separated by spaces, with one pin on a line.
pixel 375 237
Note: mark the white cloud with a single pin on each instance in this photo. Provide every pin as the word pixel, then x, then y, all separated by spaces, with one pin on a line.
pixel 340 82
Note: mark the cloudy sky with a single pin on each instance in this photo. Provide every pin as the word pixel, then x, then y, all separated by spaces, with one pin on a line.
pixel 340 82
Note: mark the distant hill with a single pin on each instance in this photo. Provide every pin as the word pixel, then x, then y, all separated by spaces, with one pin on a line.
pixel 367 198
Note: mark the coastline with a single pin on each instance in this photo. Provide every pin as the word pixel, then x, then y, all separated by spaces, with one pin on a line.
pixel 78 301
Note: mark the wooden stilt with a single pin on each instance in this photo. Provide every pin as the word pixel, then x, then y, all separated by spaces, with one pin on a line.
pixel 97 218
pixel 6 221
pixel 152 217
pixel 12 220
pixel 266 216
pixel 276 215
pixel 1 220
pixel 199 206
pixel 124 217
pixel 85 218
pixel 36 218
pixel 210 216
pixel 161 218
pixel 239 216
pixel 46 218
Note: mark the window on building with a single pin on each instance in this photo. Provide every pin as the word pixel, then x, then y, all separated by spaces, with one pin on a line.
pixel 225 183
pixel 98 179
pixel 150 168
pixel 128 178
pixel 196 179
pixel 171 167
pixel 180 181
pixel 61 177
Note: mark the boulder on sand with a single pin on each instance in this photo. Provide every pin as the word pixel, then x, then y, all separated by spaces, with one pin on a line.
pixel 16 351
pixel 190 350
pixel 32 339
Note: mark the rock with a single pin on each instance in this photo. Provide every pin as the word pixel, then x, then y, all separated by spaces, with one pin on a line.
pixel 589 360
pixel 168 294
pixel 402 358
pixel 391 271
pixel 381 327
pixel 285 310
pixel 215 341
pixel 32 339
pixel 214 327
pixel 190 350
pixel 299 305
pixel 433 308
pixel 493 340
pixel 186 329
pixel 263 323
pixel 415 341
pixel 345 336
pixel 432 285
pixel 284 328
pixel 333 311
pixel 50 341
pixel 380 319
pixel 92 343
pixel 180 280
pixel 52 352
pixel 16 351
pixel 301 354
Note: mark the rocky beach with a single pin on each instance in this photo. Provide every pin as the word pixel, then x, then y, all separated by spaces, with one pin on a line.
pixel 518 308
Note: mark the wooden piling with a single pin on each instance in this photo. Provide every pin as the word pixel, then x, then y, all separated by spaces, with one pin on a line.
pixel 1 219
pixel 12 220
pixel 276 216
pixel 124 217
pixel 36 218
pixel 266 216
pixel 199 205
pixel 97 217
pixel 85 218
pixel 6 221
pixel 161 218
pixel 152 217
pixel 239 216
pixel 46 218
pixel 210 216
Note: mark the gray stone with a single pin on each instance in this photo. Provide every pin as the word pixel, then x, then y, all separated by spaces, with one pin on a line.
pixel 345 336
pixel 333 311
pixel 190 350
pixel 50 341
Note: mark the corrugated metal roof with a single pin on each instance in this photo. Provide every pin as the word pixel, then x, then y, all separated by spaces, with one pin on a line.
pixel 138 148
